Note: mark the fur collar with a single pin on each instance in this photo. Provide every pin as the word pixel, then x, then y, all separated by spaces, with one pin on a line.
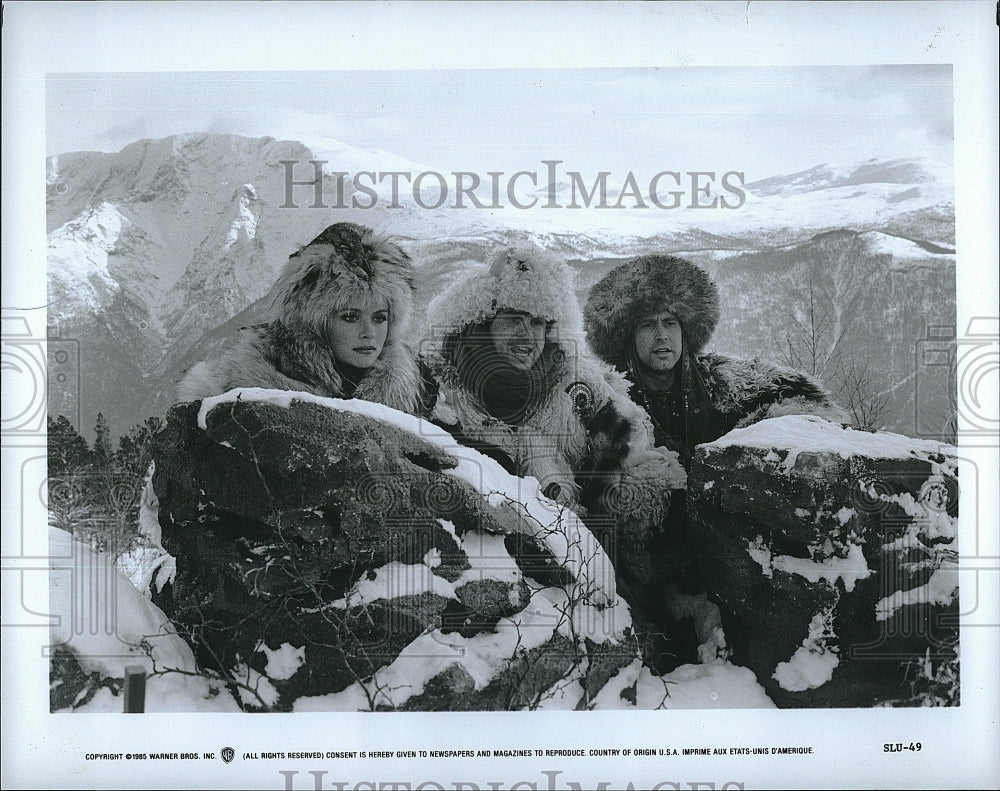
pixel 393 380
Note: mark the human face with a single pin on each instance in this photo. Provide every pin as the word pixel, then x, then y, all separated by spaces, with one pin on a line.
pixel 518 337
pixel 358 332
pixel 658 341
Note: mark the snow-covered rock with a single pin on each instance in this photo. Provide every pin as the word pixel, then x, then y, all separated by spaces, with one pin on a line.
pixel 832 554
pixel 383 564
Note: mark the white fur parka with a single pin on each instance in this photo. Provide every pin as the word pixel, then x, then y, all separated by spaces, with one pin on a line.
pixel 586 442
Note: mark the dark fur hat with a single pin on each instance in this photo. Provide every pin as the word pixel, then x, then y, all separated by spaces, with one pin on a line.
pixel 645 285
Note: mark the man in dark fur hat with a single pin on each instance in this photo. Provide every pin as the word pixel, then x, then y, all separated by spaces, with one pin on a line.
pixel 651 318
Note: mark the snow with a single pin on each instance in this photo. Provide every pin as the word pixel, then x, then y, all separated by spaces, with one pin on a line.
pixel 798 434
pixel 550 611
pixel 115 626
pixel 482 656
pixel 148 564
pixel 488 558
pixel 807 669
pixel 760 552
pixel 940 590
pixel 714 686
pixel 449 528
pixel 246 220
pixel 812 665
pixel 562 532
pixel 850 569
pixel 78 264
pixel 932 523
pixel 847 569
pixel 255 690
pixel 393 580
pixel 900 249
pixel 283 662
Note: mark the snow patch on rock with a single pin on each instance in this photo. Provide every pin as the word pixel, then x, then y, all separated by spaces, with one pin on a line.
pixel 715 686
pixel 482 656
pixel 283 662
pixel 488 558
pixel 940 590
pixel 393 580
pixel 812 665
pixel 797 434
pixel 139 634
pixel 848 569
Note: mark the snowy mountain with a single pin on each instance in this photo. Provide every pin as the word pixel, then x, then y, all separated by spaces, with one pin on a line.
pixel 158 251
pixel 874 171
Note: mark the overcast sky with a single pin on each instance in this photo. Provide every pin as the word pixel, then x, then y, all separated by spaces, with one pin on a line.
pixel 763 121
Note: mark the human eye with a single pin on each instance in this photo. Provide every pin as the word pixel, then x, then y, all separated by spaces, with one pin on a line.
pixel 349 316
pixel 381 317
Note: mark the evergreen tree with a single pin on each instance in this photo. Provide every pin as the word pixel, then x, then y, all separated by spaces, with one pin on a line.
pixel 102 442
pixel 68 451
pixel 135 448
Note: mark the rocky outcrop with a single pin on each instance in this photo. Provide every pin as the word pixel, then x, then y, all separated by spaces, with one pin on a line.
pixel 832 555
pixel 341 555
pixel 337 556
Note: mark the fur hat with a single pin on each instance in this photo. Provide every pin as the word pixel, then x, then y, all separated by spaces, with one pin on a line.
pixel 345 262
pixel 522 277
pixel 645 285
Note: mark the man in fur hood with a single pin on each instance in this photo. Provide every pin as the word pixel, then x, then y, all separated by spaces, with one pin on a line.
pixel 515 380
pixel 341 311
pixel 651 319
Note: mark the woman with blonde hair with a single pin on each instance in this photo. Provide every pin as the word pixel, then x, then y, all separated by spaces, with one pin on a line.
pixel 340 313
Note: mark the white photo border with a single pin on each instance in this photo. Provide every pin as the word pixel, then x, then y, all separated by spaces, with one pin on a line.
pixel 959 745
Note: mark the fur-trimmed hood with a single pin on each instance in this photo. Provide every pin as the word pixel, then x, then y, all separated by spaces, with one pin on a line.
pixel 292 351
pixel 345 261
pixel 522 277
pixel 645 285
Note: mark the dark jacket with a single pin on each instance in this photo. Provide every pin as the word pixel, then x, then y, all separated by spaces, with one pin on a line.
pixel 715 394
